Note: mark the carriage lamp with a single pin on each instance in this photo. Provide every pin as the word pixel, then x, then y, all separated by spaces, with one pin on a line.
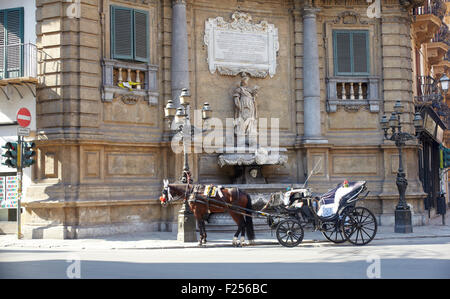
pixel 393 120
pixel 180 116
pixel 403 221
pixel 398 107
pixel 185 98
pixel 170 110
pixel 444 83
pixel 384 123
pixel 418 122
pixel 206 111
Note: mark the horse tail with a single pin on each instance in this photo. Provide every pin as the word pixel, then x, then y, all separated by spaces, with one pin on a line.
pixel 249 220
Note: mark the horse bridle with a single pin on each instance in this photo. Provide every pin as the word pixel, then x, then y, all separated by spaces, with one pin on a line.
pixel 170 198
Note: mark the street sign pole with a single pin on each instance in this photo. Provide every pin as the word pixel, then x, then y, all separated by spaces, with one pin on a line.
pixel 23 118
pixel 19 188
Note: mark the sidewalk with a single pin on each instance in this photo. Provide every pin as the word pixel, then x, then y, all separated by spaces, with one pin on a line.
pixel 168 240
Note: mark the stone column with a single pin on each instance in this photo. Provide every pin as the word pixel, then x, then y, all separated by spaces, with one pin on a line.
pixel 180 62
pixel 311 80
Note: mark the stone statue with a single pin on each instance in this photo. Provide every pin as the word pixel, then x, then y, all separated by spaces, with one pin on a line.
pixel 245 120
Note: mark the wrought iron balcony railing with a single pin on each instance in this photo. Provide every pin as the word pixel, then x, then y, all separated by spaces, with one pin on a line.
pixel 18 60
pixel 428 90
pixel 443 35
pixel 431 7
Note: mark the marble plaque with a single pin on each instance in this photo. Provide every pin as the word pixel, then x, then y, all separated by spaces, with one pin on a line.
pixel 240 46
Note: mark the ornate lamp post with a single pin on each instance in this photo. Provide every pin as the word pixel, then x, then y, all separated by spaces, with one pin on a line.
pixel 181 116
pixel 403 223
pixel 444 83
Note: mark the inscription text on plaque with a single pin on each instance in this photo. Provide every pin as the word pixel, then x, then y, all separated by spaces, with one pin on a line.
pixel 241 46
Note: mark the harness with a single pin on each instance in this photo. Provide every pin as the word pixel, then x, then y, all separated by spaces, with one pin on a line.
pixel 209 200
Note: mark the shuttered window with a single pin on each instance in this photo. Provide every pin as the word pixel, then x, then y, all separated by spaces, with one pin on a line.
pixel 351 52
pixel 129 34
pixel 11 42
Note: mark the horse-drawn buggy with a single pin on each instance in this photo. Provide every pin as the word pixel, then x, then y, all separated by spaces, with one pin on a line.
pixel 334 213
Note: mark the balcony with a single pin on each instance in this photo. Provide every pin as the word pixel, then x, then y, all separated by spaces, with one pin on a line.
pixel 441 68
pixel 18 64
pixel 129 81
pixel 352 93
pixel 436 52
pixel 426 22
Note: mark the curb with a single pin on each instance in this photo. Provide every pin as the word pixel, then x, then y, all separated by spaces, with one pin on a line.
pixel 265 243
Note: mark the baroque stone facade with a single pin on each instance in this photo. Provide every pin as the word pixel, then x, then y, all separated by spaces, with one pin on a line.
pixel 103 150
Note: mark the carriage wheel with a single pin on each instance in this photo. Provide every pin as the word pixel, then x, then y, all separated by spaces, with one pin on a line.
pixel 359 226
pixel 289 233
pixel 333 233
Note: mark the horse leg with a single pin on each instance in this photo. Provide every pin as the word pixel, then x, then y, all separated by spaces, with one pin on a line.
pixel 240 222
pixel 203 232
pixel 243 232
pixel 236 235
pixel 200 231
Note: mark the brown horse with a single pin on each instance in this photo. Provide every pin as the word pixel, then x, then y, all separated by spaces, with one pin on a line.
pixel 201 207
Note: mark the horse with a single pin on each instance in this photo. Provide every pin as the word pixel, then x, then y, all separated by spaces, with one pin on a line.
pixel 201 207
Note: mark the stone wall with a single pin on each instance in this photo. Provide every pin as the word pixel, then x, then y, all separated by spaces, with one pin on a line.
pixel 103 154
pixel 100 160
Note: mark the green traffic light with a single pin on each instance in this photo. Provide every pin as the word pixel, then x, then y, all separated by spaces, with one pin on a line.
pixel 28 162
pixel 10 163
pixel 28 154
pixel 10 155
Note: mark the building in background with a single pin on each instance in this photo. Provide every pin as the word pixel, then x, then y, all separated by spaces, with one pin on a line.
pixel 431 44
pixel 18 80
pixel 327 70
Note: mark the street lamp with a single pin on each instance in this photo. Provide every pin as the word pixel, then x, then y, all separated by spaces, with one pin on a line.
pixel 181 116
pixel 444 83
pixel 403 222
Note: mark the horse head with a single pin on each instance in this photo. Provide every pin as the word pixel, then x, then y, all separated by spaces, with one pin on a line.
pixel 166 197
pixel 171 192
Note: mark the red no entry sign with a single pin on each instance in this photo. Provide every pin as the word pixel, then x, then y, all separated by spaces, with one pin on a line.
pixel 24 117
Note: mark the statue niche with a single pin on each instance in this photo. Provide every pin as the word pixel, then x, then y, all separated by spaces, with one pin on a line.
pixel 245 113
pixel 245 154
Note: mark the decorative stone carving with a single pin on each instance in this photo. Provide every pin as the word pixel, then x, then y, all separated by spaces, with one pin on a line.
pixel 129 99
pixel 261 156
pixel 241 46
pixel 349 17
pixel 245 109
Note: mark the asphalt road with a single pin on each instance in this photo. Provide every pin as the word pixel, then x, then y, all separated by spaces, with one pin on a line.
pixel 403 258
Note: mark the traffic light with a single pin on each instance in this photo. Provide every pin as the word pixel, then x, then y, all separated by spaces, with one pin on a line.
pixel 11 154
pixel 445 157
pixel 28 154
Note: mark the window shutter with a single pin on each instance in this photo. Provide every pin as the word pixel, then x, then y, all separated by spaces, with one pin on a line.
pixel 141 36
pixel 2 44
pixel 351 52
pixel 342 53
pixel 14 39
pixel 360 50
pixel 122 33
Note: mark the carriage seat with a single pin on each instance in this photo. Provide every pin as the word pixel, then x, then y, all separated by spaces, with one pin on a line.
pixel 330 201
